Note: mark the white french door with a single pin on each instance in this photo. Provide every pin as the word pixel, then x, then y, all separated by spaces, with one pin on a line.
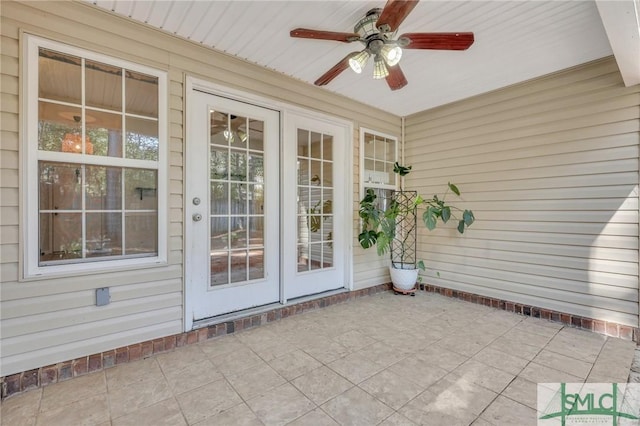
pixel 232 206
pixel 314 206
pixel 266 214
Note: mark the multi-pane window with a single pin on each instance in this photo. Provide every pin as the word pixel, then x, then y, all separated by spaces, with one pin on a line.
pixel 379 152
pixel 95 158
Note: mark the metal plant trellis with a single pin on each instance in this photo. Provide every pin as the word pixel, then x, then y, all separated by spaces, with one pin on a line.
pixel 404 244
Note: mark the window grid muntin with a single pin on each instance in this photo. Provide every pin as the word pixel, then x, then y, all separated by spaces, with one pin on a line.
pixel 313 240
pixel 384 160
pixel 32 264
pixel 245 150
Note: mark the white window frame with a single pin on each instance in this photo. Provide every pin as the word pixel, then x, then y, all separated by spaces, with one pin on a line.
pixel 363 184
pixel 30 191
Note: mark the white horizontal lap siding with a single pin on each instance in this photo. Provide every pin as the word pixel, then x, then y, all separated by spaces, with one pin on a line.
pixel 52 320
pixel 550 169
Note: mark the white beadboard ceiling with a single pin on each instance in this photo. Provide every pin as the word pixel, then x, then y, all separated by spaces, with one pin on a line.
pixel 514 41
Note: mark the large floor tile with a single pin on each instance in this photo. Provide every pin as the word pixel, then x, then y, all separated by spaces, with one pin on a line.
pixel 356 407
pixel 441 357
pixel 194 376
pixel 181 358
pixel 321 384
pixel 564 363
pixel 69 391
pixel 382 353
pixel 237 361
pixel 484 375
pixel 355 368
pixel 163 413
pixel 21 410
pixel 255 381
pixel 429 409
pixel 124 375
pixel 325 351
pixel 316 417
pixel 502 361
pixel 521 350
pixel 523 391
pixel 417 371
pixel 506 412
pixel 208 401
pixel 238 415
pixel 538 373
pixel 397 419
pixel 461 394
pixel 391 388
pixel 93 410
pixel 137 395
pixel 294 364
pixel 354 340
pixel 578 344
pixel 281 406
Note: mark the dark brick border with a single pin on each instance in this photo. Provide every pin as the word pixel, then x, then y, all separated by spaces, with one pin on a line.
pixel 597 326
pixel 43 376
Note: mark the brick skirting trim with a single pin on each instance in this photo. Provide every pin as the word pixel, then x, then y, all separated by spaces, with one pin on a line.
pixel 43 376
pixel 597 326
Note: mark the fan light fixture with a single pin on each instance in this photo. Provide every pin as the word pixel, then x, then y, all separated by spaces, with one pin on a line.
pixel 358 61
pixel 391 54
pixel 377 32
pixel 72 142
pixel 380 68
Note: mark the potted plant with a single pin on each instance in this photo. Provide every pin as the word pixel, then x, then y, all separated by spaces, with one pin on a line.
pixel 392 227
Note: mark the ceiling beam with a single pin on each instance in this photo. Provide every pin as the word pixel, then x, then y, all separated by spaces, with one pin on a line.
pixel 621 21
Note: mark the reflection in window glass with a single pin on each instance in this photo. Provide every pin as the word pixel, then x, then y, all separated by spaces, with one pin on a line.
pixel 104 130
pixel 141 230
pixel 60 236
pixel 104 234
pixel 103 190
pixel 100 123
pixel 103 86
pixel 61 186
pixel 237 185
pixel 142 139
pixel 59 76
pixel 141 94
pixel 315 202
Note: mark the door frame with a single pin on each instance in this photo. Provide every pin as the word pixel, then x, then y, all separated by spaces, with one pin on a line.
pixel 192 83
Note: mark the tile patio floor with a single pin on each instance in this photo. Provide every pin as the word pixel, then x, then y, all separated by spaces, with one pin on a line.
pixel 382 359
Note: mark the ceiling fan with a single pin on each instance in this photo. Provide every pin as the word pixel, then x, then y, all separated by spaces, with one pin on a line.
pixel 376 31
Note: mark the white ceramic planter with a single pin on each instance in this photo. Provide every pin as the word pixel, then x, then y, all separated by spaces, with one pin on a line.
pixel 404 279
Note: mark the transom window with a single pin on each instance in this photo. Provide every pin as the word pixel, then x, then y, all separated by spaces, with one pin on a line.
pixel 96 160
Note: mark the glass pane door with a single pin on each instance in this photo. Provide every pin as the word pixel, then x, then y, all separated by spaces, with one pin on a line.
pixel 232 245
pixel 315 200
pixel 315 215
pixel 236 187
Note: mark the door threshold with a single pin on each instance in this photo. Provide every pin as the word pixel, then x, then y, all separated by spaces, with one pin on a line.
pixel 258 310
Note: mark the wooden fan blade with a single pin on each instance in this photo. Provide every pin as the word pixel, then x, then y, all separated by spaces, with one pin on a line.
pixel 394 12
pixel 396 79
pixel 324 35
pixel 334 71
pixel 438 41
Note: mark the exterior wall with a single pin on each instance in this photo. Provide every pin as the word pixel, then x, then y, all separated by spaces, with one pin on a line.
pixel 52 320
pixel 550 169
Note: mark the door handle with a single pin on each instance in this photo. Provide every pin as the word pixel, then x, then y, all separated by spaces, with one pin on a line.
pixel 197 217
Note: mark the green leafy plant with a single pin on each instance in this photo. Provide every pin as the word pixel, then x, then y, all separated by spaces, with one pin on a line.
pixel 379 225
